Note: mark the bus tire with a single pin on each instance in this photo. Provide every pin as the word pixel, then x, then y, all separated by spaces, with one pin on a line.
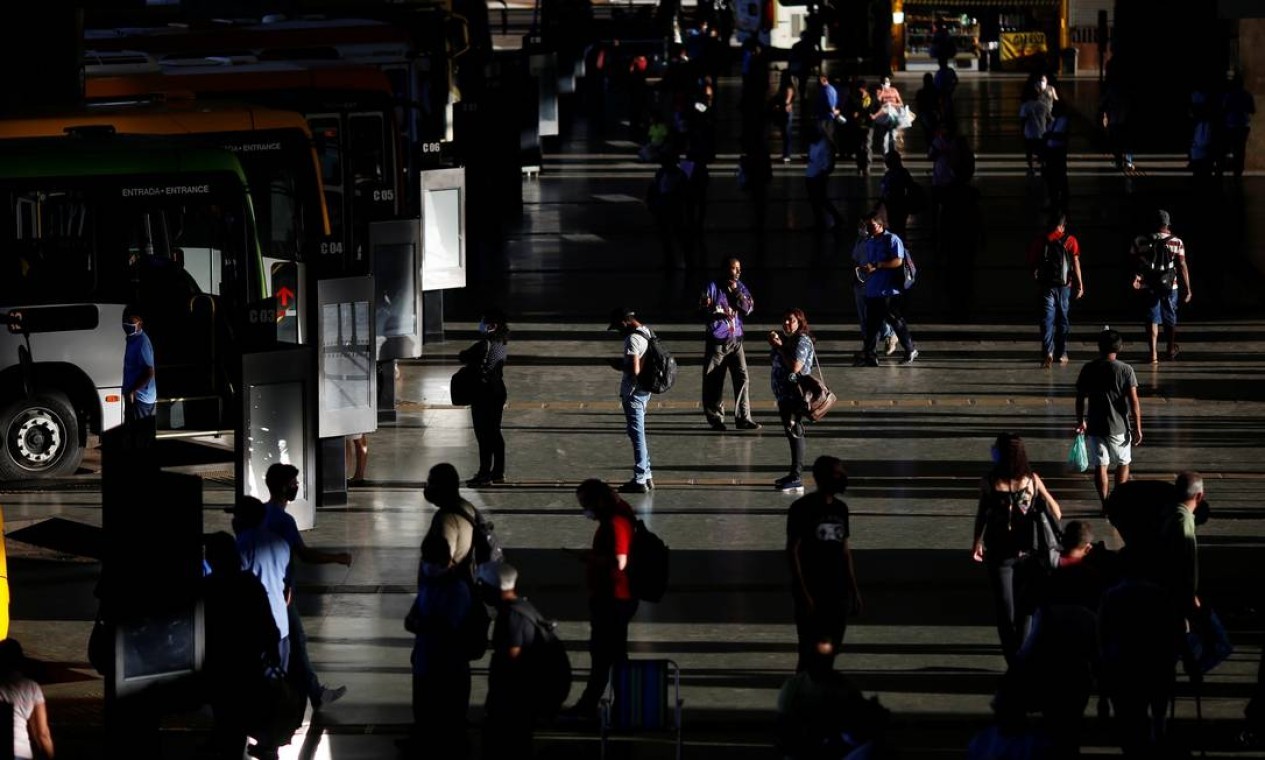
pixel 41 438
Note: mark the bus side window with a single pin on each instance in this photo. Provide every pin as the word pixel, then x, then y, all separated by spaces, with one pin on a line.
pixel 368 150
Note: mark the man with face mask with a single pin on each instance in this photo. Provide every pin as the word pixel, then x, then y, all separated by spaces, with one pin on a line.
pixel 282 481
pixel 823 582
pixel 140 392
pixel 456 518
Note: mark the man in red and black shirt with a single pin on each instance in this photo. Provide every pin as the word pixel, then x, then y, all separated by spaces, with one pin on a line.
pixel 611 601
pixel 1055 258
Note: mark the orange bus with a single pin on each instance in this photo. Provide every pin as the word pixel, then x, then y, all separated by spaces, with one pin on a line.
pixel 349 109
pixel 276 152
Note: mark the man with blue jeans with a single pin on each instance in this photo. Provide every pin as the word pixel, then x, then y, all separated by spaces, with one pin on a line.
pixel 1055 258
pixel 632 396
pixel 1162 279
pixel 884 289
pixel 859 257
pixel 140 392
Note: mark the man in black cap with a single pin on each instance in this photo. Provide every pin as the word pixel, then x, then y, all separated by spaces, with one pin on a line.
pixel 634 398
pixel 1161 277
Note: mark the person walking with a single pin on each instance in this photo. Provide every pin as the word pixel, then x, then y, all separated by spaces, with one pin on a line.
pixel 1108 412
pixel 487 408
pixel 241 640
pixel 899 194
pixel 884 289
pixel 1054 157
pixel 1055 258
pixel 611 601
pixel 784 103
pixel 632 396
pixel 1008 537
pixel 1034 119
pixel 1161 279
pixel 724 304
pixel 31 735
pixel 858 108
pixel 860 258
pixel 886 117
pixel 827 109
pixel 140 391
pixel 823 579
pixel 821 163
pixel 1237 108
pixel 793 355
pixel 511 702
pixel 282 481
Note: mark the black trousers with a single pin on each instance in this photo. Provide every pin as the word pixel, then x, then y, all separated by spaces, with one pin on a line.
pixel 793 429
pixel 827 621
pixel 608 642
pixel 440 704
pixel 1012 581
pixel 486 415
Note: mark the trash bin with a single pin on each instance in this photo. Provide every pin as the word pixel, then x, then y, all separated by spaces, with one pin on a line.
pixel 1070 55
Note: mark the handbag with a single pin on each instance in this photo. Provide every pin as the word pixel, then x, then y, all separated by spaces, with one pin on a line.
pixel 817 397
pixel 1049 536
pixel 467 381
pixel 1078 455
pixel 1207 643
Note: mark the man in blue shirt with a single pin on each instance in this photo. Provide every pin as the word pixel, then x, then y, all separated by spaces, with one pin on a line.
pixel 140 392
pixel 827 105
pixel 282 481
pixel 884 288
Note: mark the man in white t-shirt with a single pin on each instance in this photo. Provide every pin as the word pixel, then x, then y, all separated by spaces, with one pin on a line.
pixel 632 396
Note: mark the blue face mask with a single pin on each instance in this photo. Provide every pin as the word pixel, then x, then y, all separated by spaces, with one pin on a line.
pixel 996 455
pixel 131 328
pixel 483 328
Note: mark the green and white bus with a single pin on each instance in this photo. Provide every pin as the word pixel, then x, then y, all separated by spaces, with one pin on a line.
pixel 91 223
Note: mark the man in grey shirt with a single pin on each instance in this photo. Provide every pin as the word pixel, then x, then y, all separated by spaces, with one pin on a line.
pixel 1108 412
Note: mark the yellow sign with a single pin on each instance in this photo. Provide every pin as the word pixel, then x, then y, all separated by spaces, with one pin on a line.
pixel 1016 46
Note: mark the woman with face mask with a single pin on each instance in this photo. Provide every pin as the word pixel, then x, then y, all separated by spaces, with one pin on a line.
pixel 488 406
pixel 611 601
pixel 1012 501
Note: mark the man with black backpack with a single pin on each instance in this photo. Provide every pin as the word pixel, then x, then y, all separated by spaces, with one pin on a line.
pixel 529 676
pixel 1161 277
pixel 645 371
pixel 1056 265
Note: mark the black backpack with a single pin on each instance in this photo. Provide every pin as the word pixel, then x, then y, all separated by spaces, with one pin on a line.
pixel 658 368
pixel 548 667
pixel 1160 266
pixel 1055 267
pixel 648 562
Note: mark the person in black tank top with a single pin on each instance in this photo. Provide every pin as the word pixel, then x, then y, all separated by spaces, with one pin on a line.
pixel 1012 497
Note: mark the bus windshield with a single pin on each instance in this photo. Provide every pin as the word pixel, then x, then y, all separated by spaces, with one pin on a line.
pixel 153 241
pixel 282 173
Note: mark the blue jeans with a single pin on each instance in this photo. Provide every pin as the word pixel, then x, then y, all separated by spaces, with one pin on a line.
pixel 1161 308
pixel 1055 326
pixel 635 415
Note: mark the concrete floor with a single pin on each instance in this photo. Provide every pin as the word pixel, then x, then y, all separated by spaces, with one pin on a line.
pixel 915 440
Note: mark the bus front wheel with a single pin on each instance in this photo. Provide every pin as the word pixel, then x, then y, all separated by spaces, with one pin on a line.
pixel 41 438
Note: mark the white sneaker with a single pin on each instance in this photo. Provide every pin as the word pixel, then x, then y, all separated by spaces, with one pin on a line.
pixel 890 344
